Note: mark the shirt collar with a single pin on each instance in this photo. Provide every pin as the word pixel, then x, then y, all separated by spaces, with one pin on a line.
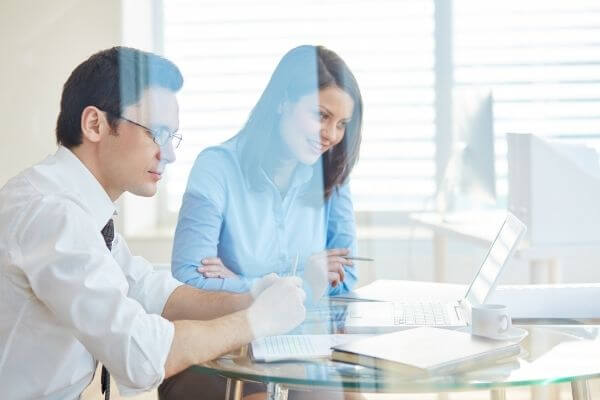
pixel 79 178
pixel 301 175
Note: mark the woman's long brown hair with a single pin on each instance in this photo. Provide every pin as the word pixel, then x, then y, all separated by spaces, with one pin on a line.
pixel 303 70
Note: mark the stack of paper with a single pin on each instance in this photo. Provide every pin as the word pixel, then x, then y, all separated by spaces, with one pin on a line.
pixel 425 351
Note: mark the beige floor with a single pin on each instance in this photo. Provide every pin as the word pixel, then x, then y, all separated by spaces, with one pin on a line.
pixel 563 393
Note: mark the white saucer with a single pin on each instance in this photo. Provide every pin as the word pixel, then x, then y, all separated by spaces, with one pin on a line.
pixel 515 334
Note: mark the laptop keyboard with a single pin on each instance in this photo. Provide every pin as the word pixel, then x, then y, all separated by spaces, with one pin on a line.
pixel 328 312
pixel 421 313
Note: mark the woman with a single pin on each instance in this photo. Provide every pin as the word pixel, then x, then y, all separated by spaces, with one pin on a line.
pixel 275 197
pixel 279 187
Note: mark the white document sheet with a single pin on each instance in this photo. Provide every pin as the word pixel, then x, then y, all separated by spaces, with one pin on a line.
pixel 298 347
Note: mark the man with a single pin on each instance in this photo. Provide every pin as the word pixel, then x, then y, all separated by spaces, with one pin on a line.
pixel 70 294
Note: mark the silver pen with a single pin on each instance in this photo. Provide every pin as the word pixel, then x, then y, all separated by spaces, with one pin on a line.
pixel 295 266
pixel 359 258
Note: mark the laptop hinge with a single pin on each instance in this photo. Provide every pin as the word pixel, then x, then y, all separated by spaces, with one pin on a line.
pixel 463 310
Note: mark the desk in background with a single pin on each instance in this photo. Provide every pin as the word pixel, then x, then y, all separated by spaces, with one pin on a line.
pixel 525 302
pixel 480 228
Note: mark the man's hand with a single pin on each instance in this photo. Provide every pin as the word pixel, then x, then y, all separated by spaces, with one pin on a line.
pixel 261 284
pixel 213 267
pixel 278 308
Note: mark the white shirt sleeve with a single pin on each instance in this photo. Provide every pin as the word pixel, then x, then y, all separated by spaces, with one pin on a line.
pixel 149 287
pixel 72 272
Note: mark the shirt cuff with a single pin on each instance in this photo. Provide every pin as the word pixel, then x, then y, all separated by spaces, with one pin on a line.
pixel 164 286
pixel 237 285
pixel 151 368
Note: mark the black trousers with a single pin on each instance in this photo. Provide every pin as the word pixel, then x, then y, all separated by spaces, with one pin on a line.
pixel 188 385
pixel 194 386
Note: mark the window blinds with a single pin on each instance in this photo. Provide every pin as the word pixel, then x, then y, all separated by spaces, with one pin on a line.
pixel 227 50
pixel 541 59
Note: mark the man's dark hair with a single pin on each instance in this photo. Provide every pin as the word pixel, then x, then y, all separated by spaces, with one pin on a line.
pixel 111 80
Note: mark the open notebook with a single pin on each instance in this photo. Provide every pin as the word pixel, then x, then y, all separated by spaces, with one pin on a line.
pixel 298 347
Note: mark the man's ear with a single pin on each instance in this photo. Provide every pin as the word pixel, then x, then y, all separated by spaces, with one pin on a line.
pixel 91 120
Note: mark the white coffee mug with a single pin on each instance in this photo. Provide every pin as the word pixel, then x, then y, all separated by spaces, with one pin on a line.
pixel 490 320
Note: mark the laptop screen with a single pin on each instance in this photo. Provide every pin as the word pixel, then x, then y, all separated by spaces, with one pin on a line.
pixel 498 254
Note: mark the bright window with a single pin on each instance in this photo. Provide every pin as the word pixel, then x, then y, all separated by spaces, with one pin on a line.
pixel 227 51
pixel 540 58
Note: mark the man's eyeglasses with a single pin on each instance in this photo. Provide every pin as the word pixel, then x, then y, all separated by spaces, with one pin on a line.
pixel 160 136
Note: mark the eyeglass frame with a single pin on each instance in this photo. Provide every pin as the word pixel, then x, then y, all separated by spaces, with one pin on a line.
pixel 175 138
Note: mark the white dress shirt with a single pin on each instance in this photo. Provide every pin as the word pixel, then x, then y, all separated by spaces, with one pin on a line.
pixel 66 302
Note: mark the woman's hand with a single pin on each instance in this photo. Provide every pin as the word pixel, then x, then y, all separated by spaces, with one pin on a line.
pixel 331 262
pixel 335 265
pixel 213 267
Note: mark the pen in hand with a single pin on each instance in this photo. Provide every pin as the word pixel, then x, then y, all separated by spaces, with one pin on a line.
pixel 359 258
pixel 295 265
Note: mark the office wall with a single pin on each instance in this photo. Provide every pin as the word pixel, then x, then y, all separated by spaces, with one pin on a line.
pixel 41 42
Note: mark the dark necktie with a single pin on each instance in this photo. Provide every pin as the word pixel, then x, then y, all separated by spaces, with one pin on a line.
pixel 108 233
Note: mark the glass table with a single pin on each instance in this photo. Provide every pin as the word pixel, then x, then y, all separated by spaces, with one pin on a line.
pixel 550 354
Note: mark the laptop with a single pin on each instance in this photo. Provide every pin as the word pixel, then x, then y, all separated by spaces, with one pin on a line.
pixel 369 317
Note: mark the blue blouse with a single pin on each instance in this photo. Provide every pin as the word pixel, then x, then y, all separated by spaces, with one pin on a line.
pixel 255 232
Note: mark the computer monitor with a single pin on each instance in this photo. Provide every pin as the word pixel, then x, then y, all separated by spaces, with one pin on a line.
pixel 470 179
pixel 554 188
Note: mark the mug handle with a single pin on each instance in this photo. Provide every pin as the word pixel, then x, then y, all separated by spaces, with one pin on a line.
pixel 504 323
